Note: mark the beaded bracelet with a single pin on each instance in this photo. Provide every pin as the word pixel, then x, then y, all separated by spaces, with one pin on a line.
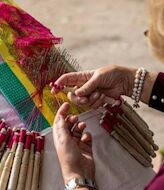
pixel 138 86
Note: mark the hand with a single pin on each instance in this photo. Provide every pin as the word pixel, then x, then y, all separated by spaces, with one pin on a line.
pixel 74 150
pixel 94 86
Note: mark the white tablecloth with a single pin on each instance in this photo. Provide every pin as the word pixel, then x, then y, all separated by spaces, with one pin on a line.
pixel 115 168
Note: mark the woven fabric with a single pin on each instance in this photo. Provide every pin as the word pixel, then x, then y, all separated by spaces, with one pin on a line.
pixel 13 90
pixel 28 50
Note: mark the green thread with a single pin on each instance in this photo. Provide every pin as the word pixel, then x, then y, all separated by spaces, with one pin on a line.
pixel 16 94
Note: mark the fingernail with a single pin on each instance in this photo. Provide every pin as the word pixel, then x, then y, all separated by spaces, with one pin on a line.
pixel 102 96
pixel 52 90
pixel 83 101
pixel 51 84
pixel 96 95
pixel 84 136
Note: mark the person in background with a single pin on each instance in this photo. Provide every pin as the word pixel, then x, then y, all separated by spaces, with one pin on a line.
pixel 74 148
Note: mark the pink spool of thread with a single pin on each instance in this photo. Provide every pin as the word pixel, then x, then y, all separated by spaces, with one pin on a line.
pixel 28 141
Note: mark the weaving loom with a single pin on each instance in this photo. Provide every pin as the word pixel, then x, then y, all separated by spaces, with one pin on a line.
pixel 31 60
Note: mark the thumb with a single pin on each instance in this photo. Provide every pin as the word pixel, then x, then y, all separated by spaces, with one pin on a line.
pixel 60 128
pixel 88 87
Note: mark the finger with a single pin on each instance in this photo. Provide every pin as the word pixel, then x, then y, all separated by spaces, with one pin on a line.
pixel 99 102
pixel 79 128
pixel 86 143
pixel 77 135
pixel 77 140
pixel 73 119
pixel 54 90
pixel 93 97
pixel 77 100
pixel 60 127
pixel 63 110
pixel 112 101
pixel 113 93
pixel 86 138
pixel 71 79
pixel 89 87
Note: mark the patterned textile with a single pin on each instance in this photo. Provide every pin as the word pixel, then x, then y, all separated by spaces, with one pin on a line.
pixel 32 61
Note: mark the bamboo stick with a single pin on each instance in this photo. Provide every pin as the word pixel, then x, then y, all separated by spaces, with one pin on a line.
pixel 37 162
pixel 17 162
pixel 8 164
pixel 132 141
pixel 130 127
pixel 139 123
pixel 25 161
pixel 125 145
pixel 30 164
pixel 7 136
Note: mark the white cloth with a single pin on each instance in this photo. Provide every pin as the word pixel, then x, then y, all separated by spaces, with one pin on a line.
pixel 115 168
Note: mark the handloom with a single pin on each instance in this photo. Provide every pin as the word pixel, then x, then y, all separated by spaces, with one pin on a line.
pixel 32 60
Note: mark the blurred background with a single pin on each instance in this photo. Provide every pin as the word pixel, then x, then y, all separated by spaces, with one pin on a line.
pixel 100 33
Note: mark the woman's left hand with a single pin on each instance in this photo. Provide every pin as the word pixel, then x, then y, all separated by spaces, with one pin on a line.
pixel 74 150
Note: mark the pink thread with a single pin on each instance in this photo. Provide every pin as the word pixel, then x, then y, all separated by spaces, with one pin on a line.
pixel 2 136
pixel 22 135
pixel 2 125
pixel 39 144
pixel 43 142
pixel 29 30
pixel 16 137
pixel 107 127
pixel 9 131
pixel 28 141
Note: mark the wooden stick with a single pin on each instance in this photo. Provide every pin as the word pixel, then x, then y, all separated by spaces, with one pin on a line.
pixel 129 126
pixel 37 162
pixel 139 123
pixel 2 124
pixel 124 133
pixel 2 135
pixel 42 157
pixel 24 164
pixel 125 145
pixel 8 133
pixel 134 117
pixel 131 150
pixel 8 164
pixel 17 162
pixel 30 165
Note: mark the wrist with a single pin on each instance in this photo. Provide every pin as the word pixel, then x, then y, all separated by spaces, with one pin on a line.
pixel 67 178
pixel 129 81
pixel 148 86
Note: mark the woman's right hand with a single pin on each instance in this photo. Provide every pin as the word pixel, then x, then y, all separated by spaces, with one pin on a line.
pixel 93 86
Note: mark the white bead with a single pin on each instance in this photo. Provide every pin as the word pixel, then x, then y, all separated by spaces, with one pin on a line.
pixel 133 97
pixel 136 81
pixel 139 88
pixel 135 94
pixel 135 89
pixel 154 97
pixel 138 71
pixel 162 100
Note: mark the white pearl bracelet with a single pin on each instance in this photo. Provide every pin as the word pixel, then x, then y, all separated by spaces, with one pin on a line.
pixel 138 86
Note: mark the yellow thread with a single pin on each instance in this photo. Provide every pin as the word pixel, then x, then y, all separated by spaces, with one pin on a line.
pixel 22 77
